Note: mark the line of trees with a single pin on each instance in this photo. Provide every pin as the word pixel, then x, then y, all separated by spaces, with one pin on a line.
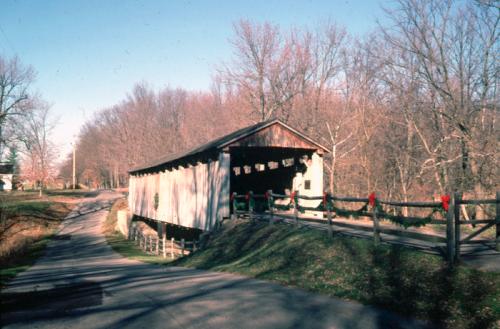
pixel 411 109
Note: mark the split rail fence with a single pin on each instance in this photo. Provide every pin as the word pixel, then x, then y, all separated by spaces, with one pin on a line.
pixel 155 245
pixel 373 209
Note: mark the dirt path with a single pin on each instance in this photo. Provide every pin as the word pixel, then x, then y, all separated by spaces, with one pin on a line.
pixel 82 283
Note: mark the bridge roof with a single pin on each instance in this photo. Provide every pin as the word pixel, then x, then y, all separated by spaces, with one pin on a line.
pixel 215 146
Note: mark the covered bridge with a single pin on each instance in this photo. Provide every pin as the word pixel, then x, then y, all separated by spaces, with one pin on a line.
pixel 193 188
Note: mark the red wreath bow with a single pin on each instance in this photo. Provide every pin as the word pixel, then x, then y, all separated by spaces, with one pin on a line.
pixel 371 199
pixel 292 197
pixel 445 202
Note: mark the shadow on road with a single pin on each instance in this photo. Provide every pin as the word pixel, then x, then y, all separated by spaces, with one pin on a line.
pixel 82 283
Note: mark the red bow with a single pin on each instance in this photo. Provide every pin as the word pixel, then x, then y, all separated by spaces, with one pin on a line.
pixel 247 196
pixel 445 202
pixel 371 199
pixel 324 198
pixel 292 197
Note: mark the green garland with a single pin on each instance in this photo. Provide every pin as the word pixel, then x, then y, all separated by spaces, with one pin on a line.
pixel 157 201
pixel 342 212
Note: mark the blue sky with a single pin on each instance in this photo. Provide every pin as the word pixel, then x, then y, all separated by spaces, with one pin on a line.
pixel 89 54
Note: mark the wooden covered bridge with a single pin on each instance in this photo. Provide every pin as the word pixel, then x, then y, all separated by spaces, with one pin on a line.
pixel 193 189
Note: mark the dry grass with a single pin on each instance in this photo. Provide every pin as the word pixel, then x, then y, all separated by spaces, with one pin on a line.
pixel 26 220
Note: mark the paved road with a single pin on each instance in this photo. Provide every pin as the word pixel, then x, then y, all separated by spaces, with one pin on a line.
pixel 82 283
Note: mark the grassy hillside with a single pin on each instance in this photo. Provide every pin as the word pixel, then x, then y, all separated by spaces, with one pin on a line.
pixel 120 244
pixel 396 278
pixel 399 279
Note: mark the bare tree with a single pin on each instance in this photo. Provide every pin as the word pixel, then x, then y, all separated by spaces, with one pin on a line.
pixel 266 70
pixel 15 102
pixel 455 46
pixel 39 151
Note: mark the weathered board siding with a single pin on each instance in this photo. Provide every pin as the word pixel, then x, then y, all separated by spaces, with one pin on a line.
pixel 194 196
pixel 274 136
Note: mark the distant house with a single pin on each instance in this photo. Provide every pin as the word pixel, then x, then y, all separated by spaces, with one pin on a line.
pixel 6 176
pixel 193 189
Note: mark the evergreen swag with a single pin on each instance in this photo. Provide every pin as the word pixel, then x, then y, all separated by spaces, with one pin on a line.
pixel 157 201
pixel 328 204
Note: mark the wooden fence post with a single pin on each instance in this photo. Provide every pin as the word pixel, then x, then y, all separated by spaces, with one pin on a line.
pixel 164 251
pixel 234 215
pixel 182 247
pixel 497 220
pixel 376 226
pixel 172 248
pixel 327 199
pixel 456 213
pixel 450 231
pixel 250 205
pixel 270 206
pixel 296 207
pixel 164 239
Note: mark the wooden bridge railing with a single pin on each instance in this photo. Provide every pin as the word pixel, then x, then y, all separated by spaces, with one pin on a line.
pixel 155 245
pixel 449 208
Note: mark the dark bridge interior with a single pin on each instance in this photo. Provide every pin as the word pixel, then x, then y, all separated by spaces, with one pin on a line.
pixel 259 169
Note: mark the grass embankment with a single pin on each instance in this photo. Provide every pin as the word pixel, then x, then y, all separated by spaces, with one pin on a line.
pixel 26 224
pixel 396 278
pixel 123 246
pixel 408 282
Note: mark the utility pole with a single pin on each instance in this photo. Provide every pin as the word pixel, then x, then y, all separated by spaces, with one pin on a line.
pixel 74 165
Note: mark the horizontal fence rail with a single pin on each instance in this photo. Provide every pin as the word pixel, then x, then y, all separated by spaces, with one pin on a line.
pixel 275 206
pixel 156 245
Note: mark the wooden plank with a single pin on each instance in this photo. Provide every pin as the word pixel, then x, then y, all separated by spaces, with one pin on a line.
pixel 456 215
pixel 329 218
pixel 476 202
pixel 376 227
pixel 481 230
pixel 348 199
pixel 438 222
pixel 450 232
pixel 497 219
pixel 274 136
pixel 482 241
pixel 479 221
pixel 250 205
pixel 271 210
pixel 309 208
pixel 296 209
pixel 412 204
pixel 401 233
pixel 305 197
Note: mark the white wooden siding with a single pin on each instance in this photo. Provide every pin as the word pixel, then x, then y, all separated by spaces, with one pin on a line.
pixel 193 196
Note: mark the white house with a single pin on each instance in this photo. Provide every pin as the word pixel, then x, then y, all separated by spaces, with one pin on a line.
pixel 6 176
